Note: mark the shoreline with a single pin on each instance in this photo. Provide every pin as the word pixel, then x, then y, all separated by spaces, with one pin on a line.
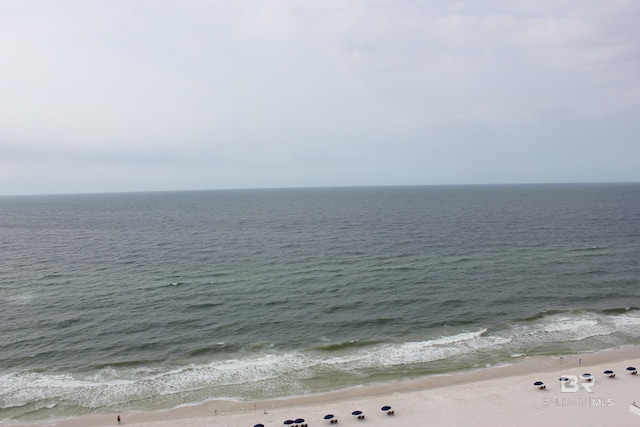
pixel 501 387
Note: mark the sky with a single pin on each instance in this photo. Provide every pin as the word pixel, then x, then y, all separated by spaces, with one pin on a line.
pixel 155 95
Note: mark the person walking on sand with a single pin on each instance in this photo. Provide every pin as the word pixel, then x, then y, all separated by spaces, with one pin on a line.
pixel 118 419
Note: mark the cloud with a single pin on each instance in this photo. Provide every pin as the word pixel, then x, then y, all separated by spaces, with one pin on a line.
pixel 281 93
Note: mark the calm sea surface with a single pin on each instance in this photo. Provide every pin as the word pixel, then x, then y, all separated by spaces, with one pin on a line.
pixel 153 300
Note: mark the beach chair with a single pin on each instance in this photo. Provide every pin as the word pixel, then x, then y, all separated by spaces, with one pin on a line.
pixel 388 410
pixel 331 418
pixel 358 414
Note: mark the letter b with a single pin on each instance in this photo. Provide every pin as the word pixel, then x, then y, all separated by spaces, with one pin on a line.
pixel 571 385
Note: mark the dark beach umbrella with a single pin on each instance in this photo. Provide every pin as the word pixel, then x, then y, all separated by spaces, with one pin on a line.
pixel 328 416
pixel 259 425
pixel 586 375
pixel 288 422
pixel 608 372
pixel 299 420
pixel 564 379
pixel 631 368
pixel 538 383
pixel 356 413
pixel 385 408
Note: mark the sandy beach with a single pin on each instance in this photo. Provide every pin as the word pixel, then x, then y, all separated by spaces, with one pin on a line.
pixel 496 396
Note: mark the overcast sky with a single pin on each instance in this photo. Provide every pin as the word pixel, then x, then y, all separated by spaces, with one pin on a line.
pixel 137 95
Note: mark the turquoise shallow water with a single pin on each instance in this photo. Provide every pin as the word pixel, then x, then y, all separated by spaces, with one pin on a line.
pixel 153 300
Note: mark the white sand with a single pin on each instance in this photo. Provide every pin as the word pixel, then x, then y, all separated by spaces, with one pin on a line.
pixel 503 396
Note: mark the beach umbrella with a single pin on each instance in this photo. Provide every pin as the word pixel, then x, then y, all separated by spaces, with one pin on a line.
pixel 586 375
pixel 608 372
pixel 328 416
pixel 259 425
pixel 299 420
pixel 356 413
pixel 385 408
pixel 538 383
pixel 631 368
pixel 564 379
pixel 288 422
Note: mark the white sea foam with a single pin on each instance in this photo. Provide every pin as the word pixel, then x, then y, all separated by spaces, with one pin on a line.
pixel 411 353
pixel 559 329
pixel 265 373
pixel 568 324
pixel 627 321
pixel 280 373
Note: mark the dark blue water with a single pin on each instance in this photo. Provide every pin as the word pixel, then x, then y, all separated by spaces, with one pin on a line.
pixel 153 300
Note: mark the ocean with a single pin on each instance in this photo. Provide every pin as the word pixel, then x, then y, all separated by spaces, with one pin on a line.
pixel 139 301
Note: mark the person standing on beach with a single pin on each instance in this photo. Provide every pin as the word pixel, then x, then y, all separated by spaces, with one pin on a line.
pixel 118 419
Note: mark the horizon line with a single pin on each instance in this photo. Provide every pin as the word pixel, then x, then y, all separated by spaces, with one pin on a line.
pixel 187 190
